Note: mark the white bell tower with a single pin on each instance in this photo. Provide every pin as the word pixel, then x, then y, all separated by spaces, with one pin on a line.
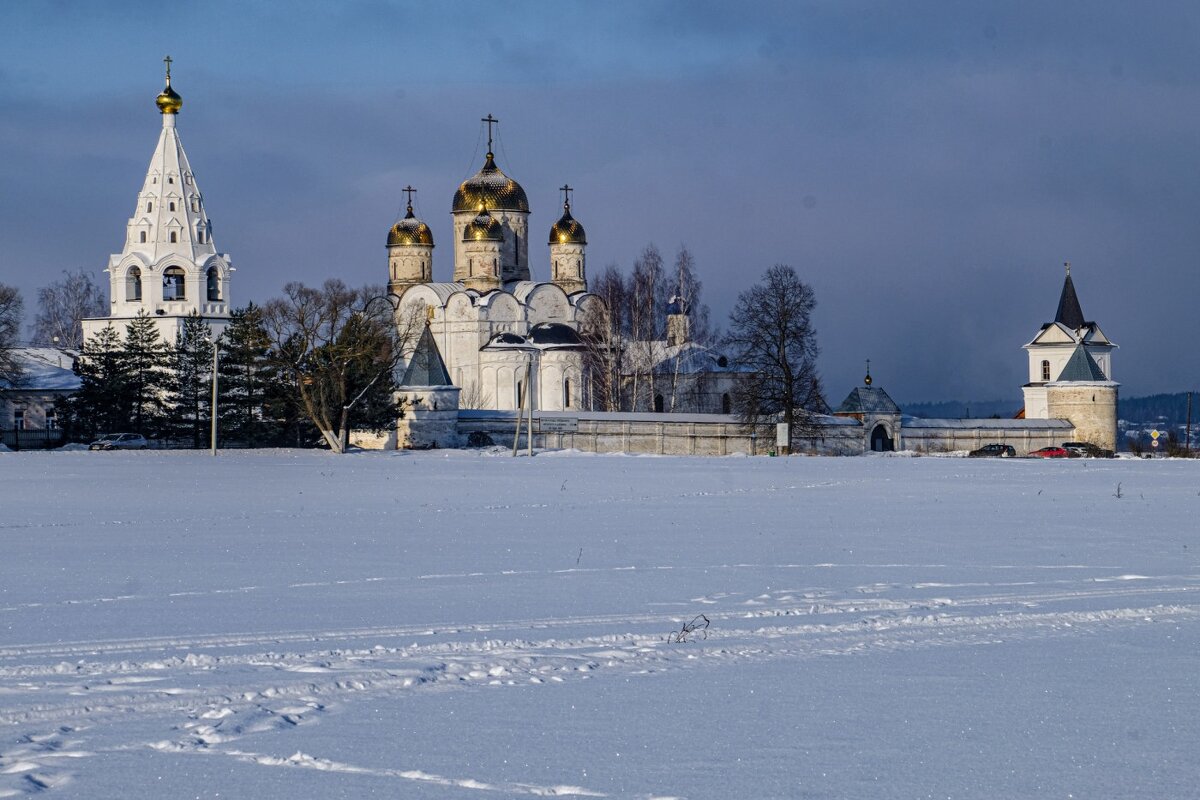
pixel 169 267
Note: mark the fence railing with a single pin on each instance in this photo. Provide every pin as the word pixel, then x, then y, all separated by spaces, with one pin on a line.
pixel 37 439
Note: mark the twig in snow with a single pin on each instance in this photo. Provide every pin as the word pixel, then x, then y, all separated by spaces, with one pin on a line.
pixel 698 625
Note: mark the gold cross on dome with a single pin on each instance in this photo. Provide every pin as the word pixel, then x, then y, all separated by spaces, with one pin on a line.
pixel 168 61
pixel 490 120
pixel 410 191
pixel 566 190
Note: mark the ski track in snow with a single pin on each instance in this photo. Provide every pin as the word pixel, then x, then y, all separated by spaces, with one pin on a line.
pixel 215 693
pixel 238 694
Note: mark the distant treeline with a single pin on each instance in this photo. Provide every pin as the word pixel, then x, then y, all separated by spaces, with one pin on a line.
pixel 956 409
pixel 1170 408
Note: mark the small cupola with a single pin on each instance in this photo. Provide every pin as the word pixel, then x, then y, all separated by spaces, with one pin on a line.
pixel 484 228
pixel 567 230
pixel 168 100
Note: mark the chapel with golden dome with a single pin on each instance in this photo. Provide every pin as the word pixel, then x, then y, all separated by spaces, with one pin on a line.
pixel 503 338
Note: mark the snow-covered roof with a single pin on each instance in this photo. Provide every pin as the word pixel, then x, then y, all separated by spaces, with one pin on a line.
pixel 45 369
pixel 692 358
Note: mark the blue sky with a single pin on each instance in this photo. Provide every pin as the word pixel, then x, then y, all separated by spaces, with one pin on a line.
pixel 927 167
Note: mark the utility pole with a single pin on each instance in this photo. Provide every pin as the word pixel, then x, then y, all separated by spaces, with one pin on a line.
pixel 526 403
pixel 214 400
pixel 529 391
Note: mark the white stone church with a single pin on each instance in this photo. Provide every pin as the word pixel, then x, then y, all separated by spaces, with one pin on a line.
pixel 495 327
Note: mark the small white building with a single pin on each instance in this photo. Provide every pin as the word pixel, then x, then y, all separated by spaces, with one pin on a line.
pixel 31 410
pixel 169 267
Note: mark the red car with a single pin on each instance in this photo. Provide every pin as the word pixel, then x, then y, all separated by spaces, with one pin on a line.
pixel 1050 452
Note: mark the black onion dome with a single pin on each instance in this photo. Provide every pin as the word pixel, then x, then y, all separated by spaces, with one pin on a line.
pixel 567 230
pixel 484 227
pixel 490 188
pixel 554 333
pixel 410 231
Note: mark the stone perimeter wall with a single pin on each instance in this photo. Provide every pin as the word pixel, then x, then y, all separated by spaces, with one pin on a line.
pixel 949 440
pixel 699 435
pixel 641 433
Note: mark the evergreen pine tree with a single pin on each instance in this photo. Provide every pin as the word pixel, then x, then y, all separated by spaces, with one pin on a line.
pixel 191 382
pixel 147 379
pixel 248 380
pixel 99 405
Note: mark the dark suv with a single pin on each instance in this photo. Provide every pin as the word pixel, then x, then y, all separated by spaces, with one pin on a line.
pixel 994 451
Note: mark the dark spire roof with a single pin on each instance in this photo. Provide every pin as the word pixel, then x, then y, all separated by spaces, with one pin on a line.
pixel 426 367
pixel 1081 366
pixel 1069 313
pixel 868 400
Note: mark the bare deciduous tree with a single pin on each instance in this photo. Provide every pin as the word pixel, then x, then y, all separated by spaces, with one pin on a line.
pixel 63 305
pixel 771 334
pixel 602 329
pixel 340 348
pixel 647 327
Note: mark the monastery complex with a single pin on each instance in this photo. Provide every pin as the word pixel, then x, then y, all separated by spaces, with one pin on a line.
pixel 496 343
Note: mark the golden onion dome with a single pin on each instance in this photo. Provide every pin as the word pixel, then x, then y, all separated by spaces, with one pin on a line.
pixel 484 228
pixel 410 231
pixel 168 100
pixel 567 230
pixel 490 188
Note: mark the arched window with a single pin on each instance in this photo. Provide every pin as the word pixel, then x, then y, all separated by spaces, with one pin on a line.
pixel 200 236
pixel 726 405
pixel 171 207
pixel 149 206
pixel 173 284
pixel 658 403
pixel 174 237
pixel 520 395
pixel 143 236
pixel 133 284
pixel 214 284
pixel 1045 370
pixel 566 392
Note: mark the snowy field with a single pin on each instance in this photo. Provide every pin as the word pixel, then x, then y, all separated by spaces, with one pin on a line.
pixel 457 625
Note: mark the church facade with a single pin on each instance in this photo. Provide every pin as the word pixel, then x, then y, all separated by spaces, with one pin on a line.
pixel 168 268
pixel 506 341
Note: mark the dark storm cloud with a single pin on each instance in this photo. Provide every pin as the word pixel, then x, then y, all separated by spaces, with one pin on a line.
pixel 926 166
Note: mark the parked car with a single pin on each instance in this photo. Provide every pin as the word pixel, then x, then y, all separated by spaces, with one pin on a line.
pixel 1050 452
pixel 993 451
pixel 120 441
pixel 1086 450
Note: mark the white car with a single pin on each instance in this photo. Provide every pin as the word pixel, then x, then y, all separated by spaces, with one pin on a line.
pixel 120 441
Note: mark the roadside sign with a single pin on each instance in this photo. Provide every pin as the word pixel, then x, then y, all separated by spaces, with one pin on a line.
pixel 1154 443
pixel 1154 435
pixel 558 424
pixel 782 435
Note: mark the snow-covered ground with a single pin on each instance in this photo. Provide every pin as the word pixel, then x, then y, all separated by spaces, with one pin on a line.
pixel 457 625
